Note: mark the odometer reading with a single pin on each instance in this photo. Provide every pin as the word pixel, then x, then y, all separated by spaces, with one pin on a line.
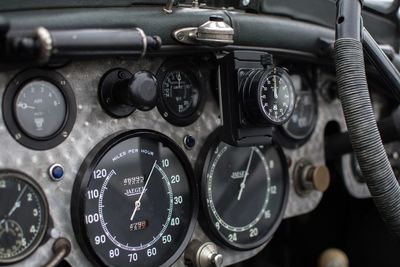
pixel 138 205
pixel 244 191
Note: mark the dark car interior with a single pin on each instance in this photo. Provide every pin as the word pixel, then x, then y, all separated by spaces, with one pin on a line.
pixel 201 133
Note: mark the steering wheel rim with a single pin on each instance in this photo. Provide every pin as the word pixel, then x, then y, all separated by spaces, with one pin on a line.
pixel 357 108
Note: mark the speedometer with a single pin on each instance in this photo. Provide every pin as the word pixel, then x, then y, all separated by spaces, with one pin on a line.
pixel 134 201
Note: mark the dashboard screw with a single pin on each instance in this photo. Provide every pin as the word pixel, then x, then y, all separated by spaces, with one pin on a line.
pixel 18 136
pixel 180 35
pixel 122 75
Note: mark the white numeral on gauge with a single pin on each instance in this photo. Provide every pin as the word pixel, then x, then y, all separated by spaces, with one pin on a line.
pixel 175 179
pixel 232 237
pixel 253 232
pixel 151 252
pixel 99 239
pixel 178 200
pixel 92 194
pixel 114 253
pixel 91 218
pixel 166 239
pixel 133 257
pixel 165 163
pixel 98 174
pixel 175 221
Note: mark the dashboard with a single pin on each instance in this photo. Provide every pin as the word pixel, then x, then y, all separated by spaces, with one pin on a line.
pixel 130 161
pixel 39 90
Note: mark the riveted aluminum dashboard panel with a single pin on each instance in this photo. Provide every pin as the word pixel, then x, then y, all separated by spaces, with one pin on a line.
pixel 93 125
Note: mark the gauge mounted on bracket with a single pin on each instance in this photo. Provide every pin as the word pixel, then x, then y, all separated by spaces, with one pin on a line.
pixel 182 88
pixel 298 129
pixel 39 109
pixel 244 191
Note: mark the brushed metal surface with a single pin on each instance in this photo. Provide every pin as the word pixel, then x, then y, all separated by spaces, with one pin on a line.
pixel 93 125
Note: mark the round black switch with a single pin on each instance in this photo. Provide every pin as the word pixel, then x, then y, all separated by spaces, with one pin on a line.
pixel 121 93
pixel 140 91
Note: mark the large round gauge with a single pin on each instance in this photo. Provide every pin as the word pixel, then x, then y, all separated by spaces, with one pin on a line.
pixel 181 93
pixel 243 190
pixel 303 120
pixel 39 109
pixel 23 216
pixel 134 201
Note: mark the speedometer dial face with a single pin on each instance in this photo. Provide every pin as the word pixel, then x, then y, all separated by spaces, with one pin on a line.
pixel 23 216
pixel 137 201
pixel 244 191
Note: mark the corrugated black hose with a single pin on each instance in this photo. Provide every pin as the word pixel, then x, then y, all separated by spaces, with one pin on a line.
pixel 363 131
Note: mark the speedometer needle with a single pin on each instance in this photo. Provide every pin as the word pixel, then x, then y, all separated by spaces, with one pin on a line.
pixel 137 203
pixel 243 183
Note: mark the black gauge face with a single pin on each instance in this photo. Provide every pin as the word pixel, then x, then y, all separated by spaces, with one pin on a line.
pixel 244 191
pixel 137 201
pixel 23 217
pixel 181 91
pixel 40 109
pixel 302 122
pixel 276 96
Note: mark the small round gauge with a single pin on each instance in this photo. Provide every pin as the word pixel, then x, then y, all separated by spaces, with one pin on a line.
pixel 23 216
pixel 134 202
pixel 302 123
pixel 39 109
pixel 268 96
pixel 181 93
pixel 244 192
pixel 276 96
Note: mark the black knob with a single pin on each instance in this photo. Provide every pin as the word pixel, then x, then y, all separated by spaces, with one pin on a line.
pixel 139 91
pixel 121 93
